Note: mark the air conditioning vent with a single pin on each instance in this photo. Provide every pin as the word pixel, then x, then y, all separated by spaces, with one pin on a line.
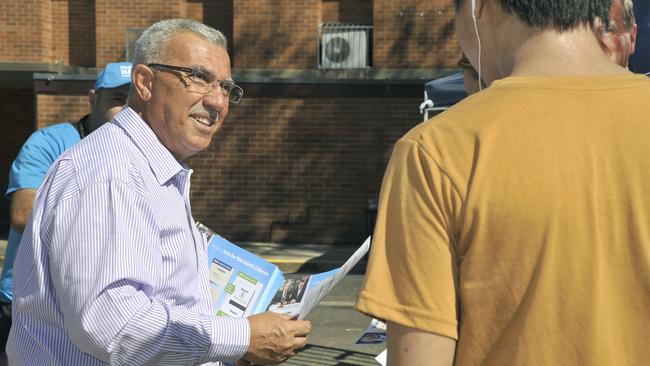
pixel 344 47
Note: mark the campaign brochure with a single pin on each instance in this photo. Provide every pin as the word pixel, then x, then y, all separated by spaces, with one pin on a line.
pixel 243 284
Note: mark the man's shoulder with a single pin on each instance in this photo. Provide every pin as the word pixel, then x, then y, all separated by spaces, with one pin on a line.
pixel 513 100
pixel 57 136
pixel 59 131
pixel 106 154
pixel 459 123
pixel 40 150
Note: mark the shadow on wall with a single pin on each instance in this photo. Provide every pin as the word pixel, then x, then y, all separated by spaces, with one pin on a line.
pixel 423 36
pixel 352 11
pixel 81 28
pixel 219 15
pixel 287 39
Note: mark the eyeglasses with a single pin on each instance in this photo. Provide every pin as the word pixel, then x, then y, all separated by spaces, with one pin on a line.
pixel 197 82
pixel 464 63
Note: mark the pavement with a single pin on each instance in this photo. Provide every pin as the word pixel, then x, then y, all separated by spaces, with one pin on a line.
pixel 291 258
pixel 306 258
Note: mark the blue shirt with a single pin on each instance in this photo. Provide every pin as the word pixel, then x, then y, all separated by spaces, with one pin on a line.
pixel 112 268
pixel 36 156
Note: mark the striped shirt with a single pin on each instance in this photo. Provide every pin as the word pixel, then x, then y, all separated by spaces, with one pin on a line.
pixel 111 268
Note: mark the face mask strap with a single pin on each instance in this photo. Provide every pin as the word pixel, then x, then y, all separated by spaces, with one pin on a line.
pixel 478 41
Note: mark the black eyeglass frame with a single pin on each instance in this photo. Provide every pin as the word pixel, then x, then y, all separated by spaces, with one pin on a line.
pixel 226 85
pixel 464 63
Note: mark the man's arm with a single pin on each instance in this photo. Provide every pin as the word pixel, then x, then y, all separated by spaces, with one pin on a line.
pixel 114 310
pixel 105 261
pixel 409 346
pixel 21 208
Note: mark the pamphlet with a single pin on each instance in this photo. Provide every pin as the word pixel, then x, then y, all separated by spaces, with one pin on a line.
pixel 375 334
pixel 243 284
pixel 382 358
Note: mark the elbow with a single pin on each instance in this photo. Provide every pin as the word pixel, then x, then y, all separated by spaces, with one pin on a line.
pixel 19 221
pixel 88 340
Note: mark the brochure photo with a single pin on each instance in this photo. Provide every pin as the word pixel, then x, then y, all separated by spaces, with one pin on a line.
pixel 375 334
pixel 243 284
pixel 288 299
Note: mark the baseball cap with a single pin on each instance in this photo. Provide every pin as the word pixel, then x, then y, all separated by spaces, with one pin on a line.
pixel 114 74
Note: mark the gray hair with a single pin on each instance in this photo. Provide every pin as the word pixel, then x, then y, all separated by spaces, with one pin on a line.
pixel 151 45
pixel 628 14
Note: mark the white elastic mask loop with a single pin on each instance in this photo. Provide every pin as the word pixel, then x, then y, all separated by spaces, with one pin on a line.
pixel 478 41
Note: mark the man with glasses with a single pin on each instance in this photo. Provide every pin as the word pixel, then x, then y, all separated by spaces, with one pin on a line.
pixel 42 148
pixel 112 269
pixel 617 36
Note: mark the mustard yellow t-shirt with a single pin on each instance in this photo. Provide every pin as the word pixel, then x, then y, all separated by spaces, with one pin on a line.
pixel 518 223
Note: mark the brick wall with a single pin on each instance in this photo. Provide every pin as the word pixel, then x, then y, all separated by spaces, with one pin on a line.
pixel 276 34
pixel 347 11
pixel 60 108
pixel 25 31
pixel 114 17
pixel 414 34
pixel 266 34
pixel 82 33
pixel 60 32
pixel 315 160
pixel 215 13
pixel 17 123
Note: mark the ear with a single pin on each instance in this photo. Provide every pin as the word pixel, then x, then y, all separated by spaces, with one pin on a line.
pixel 92 99
pixel 142 78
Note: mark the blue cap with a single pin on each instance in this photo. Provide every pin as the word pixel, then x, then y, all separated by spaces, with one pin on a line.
pixel 114 75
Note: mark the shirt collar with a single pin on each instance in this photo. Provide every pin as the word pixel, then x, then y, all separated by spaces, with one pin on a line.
pixel 162 162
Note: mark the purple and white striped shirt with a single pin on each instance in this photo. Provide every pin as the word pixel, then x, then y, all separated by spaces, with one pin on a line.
pixel 112 269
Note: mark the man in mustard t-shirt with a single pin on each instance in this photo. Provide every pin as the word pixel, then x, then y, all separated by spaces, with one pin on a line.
pixel 513 229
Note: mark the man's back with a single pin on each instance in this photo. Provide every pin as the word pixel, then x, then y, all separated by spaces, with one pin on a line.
pixel 529 204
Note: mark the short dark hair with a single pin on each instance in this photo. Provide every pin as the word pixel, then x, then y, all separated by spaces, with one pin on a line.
pixel 560 15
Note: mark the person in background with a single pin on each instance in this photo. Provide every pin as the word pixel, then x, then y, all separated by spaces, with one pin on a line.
pixel 112 268
pixel 42 148
pixel 617 36
pixel 470 76
pixel 514 229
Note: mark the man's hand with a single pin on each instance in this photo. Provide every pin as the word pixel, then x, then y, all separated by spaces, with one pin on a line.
pixel 275 338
